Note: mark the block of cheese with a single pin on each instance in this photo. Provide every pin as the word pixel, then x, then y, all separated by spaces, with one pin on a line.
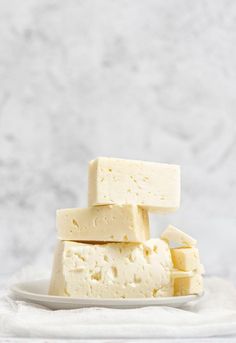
pixel 185 259
pixel 188 285
pixel 103 223
pixel 112 270
pixel 153 186
pixel 173 235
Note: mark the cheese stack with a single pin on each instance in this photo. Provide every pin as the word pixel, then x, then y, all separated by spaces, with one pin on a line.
pixel 105 250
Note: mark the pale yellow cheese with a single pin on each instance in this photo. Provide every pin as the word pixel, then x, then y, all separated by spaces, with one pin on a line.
pixel 188 285
pixel 112 270
pixel 153 186
pixel 185 259
pixel 103 223
pixel 173 235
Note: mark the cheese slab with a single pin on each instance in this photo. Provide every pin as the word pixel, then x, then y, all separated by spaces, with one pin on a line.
pixel 118 223
pixel 185 259
pixel 112 270
pixel 173 235
pixel 153 186
pixel 188 285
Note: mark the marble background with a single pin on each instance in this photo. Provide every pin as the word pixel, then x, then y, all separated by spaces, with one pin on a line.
pixel 152 80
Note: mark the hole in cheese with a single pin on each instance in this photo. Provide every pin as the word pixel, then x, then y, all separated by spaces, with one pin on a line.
pixel 155 249
pixel 137 279
pixel 96 276
pixel 114 271
pixel 75 223
pixel 154 292
pixel 105 257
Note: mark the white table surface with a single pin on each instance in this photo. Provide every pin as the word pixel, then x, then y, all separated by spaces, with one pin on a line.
pixel 88 340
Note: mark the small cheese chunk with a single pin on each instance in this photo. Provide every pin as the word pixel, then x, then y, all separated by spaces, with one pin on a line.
pixel 188 285
pixel 112 270
pixel 153 186
pixel 173 235
pixel 185 259
pixel 103 223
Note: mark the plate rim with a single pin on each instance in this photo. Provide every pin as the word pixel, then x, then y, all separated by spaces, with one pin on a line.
pixel 18 289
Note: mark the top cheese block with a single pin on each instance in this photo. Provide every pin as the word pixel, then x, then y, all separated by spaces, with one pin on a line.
pixel 153 186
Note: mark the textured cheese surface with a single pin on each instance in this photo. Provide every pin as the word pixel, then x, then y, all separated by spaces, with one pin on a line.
pixel 173 235
pixel 103 223
pixel 188 285
pixel 154 186
pixel 185 259
pixel 112 270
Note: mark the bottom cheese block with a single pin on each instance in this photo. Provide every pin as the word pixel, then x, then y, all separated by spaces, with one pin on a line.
pixel 112 270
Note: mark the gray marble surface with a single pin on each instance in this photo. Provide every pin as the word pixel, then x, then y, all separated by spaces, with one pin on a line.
pixel 152 80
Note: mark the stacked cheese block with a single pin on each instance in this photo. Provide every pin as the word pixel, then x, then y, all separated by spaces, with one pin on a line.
pixel 105 250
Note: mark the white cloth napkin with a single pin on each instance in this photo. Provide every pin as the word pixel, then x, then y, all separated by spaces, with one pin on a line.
pixel 213 315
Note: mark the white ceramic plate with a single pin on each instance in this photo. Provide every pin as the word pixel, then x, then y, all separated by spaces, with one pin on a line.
pixel 36 292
